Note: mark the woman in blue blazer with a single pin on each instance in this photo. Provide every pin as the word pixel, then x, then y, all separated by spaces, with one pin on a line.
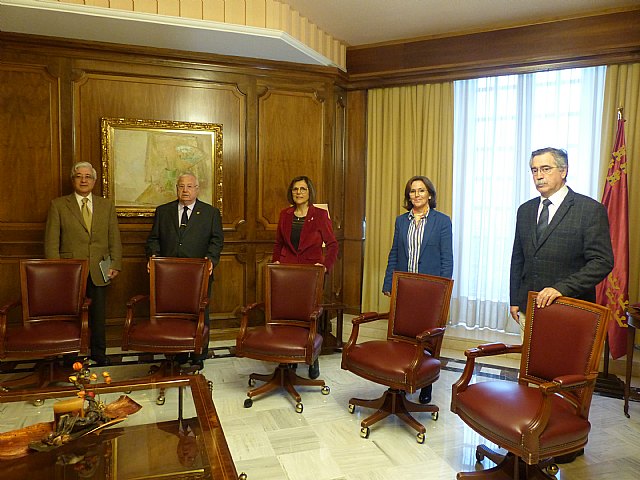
pixel 422 241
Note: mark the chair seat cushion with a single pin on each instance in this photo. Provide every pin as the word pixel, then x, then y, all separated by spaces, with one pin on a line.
pixel 388 362
pixel 48 337
pixel 168 335
pixel 518 406
pixel 279 341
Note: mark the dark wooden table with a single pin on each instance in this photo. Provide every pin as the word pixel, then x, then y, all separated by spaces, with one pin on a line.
pixel 633 320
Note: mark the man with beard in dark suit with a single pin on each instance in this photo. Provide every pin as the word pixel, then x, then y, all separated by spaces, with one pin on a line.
pixel 188 228
pixel 562 244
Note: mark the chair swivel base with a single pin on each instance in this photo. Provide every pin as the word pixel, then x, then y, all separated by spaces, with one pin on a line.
pixel 393 402
pixel 510 467
pixel 285 377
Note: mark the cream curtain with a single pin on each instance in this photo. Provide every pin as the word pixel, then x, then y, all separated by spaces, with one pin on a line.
pixel 622 89
pixel 410 132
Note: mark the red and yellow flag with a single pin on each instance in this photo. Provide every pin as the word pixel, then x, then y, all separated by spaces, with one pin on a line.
pixel 613 291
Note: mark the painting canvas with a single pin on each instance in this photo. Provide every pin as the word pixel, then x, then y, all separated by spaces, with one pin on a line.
pixel 142 159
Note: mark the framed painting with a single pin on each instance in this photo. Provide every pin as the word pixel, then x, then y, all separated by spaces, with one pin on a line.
pixel 142 159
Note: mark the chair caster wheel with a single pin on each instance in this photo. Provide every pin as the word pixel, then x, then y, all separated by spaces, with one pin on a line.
pixel 434 416
pixel 552 469
pixel 364 432
pixel 127 392
pixel 252 382
pixel 210 386
pixel 299 407
pixel 242 476
pixel 325 390
pixel 160 400
pixel 420 438
pixel 479 456
pixel 352 408
pixel 248 403
pixel 38 402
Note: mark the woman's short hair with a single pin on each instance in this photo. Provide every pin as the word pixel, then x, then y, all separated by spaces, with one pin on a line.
pixel 78 165
pixel 307 180
pixel 408 205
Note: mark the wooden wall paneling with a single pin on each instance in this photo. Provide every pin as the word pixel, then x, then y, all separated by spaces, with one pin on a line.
pixel 333 291
pixel 29 142
pixel 290 143
pixel 355 185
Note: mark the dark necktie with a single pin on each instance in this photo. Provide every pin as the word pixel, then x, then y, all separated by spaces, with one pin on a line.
pixel 185 217
pixel 543 221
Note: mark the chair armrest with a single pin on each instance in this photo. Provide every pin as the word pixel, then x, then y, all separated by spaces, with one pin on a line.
pixel 431 333
pixel 491 349
pixel 484 350
pixel 244 320
pixel 9 306
pixel 356 322
pixel 136 299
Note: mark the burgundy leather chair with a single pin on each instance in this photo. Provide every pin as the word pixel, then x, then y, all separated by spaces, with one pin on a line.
pixel 178 296
pixel 546 412
pixel 409 358
pixel 54 318
pixel 289 335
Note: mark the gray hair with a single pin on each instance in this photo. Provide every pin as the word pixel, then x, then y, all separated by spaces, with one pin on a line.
pixel 79 165
pixel 559 155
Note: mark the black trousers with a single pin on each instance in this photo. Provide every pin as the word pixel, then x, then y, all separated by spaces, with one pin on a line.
pixel 97 315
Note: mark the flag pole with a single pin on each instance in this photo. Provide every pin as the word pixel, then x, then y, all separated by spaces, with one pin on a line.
pixel 609 384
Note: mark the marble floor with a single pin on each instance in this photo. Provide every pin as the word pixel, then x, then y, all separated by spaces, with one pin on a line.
pixel 270 441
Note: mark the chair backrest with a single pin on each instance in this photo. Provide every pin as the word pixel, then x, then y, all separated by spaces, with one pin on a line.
pixel 418 302
pixel 178 286
pixel 564 338
pixel 292 292
pixel 52 289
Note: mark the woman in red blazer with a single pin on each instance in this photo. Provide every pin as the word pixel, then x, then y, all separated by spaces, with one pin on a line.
pixel 302 230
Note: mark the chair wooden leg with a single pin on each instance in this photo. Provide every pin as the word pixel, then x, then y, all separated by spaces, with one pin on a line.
pixel 284 376
pixel 393 402
pixel 508 467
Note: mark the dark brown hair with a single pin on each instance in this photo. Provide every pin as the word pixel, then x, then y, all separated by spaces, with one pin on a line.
pixel 408 205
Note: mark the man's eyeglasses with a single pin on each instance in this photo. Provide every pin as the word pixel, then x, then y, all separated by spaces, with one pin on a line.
pixel 186 187
pixel 299 189
pixel 415 193
pixel 83 177
pixel 545 170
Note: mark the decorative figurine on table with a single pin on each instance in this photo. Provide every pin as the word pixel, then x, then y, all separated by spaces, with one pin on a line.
pixel 76 417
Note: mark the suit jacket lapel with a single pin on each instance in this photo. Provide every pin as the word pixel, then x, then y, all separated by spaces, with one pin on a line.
pixel 74 208
pixel 428 231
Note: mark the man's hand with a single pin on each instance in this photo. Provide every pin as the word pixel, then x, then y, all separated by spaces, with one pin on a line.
pixel 113 273
pixel 387 294
pixel 547 296
pixel 210 265
pixel 514 310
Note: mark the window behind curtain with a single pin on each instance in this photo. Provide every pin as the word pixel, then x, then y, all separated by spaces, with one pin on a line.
pixel 498 122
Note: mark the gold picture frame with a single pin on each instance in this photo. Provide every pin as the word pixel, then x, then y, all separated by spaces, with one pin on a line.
pixel 141 160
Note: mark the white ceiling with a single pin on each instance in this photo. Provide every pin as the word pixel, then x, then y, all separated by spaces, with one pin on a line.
pixel 355 22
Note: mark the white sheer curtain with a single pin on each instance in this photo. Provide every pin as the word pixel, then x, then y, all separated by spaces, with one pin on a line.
pixel 498 122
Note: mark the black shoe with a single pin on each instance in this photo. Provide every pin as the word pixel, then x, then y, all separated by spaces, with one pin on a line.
pixel 101 361
pixel 568 457
pixel 197 364
pixel 425 394
pixel 314 370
